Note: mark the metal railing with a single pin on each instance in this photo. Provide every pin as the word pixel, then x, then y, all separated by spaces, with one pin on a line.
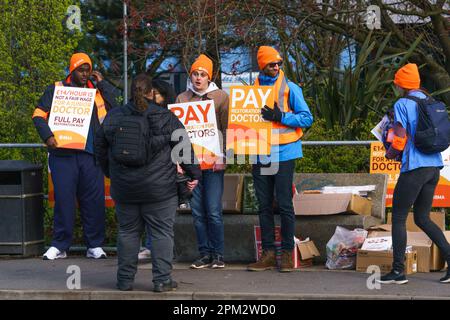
pixel 305 143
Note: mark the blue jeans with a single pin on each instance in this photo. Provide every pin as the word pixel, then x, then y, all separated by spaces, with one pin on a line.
pixel 206 204
pixel 265 185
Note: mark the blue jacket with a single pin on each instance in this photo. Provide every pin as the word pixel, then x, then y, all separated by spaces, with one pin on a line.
pixel 300 117
pixel 405 112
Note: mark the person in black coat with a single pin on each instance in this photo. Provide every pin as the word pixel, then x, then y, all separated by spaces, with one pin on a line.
pixel 146 194
pixel 163 95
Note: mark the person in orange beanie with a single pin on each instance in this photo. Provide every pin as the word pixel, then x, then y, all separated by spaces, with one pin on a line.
pixel 206 201
pixel 202 63
pixel 75 174
pixel 419 175
pixel 407 77
pixel 288 115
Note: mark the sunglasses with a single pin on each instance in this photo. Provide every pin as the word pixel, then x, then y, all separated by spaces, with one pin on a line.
pixel 273 64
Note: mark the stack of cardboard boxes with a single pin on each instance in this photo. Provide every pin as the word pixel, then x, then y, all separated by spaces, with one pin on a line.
pixel 428 256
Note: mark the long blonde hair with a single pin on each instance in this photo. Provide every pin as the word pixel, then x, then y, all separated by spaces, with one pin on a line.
pixel 141 86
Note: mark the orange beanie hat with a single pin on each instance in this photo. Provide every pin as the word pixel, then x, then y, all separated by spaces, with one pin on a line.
pixel 408 77
pixel 79 59
pixel 267 55
pixel 203 63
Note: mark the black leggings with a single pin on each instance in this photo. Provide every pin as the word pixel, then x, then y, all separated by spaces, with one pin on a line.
pixel 416 188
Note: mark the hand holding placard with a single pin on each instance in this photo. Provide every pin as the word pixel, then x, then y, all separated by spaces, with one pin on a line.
pixel 270 114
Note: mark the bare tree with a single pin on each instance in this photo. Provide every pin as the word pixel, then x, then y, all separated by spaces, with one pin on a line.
pixel 405 20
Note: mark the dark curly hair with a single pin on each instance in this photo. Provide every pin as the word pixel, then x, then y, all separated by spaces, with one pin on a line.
pixel 166 90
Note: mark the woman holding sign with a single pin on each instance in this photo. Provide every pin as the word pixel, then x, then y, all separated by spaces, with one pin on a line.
pixel 206 202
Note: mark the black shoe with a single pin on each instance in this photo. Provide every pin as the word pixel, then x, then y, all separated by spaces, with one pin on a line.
pixel 168 285
pixel 393 277
pixel 202 262
pixel 217 262
pixel 122 286
pixel 446 279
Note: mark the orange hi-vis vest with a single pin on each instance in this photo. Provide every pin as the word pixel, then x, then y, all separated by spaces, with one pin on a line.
pixel 282 134
pixel 99 102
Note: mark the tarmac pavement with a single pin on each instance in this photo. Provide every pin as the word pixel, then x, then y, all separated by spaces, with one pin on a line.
pixel 36 279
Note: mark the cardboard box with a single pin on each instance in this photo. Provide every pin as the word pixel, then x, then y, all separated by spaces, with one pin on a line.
pixel 447 236
pixel 232 193
pixel 438 262
pixel 437 217
pixel 428 257
pixel 325 204
pixel 383 259
pixel 377 243
pixel 424 247
pixel 380 228
pixel 302 254
pixel 307 250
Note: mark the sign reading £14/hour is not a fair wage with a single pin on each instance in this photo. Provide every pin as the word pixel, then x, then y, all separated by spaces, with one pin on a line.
pixel 70 116
pixel 380 164
pixel 248 133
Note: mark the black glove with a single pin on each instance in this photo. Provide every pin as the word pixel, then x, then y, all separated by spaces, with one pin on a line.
pixel 272 114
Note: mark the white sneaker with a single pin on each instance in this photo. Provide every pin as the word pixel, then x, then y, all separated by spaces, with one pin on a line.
pixel 53 253
pixel 96 253
pixel 144 254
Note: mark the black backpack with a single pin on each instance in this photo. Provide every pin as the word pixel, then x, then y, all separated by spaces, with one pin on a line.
pixel 433 125
pixel 130 144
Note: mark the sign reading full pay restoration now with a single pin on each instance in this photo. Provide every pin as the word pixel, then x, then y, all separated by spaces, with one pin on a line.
pixel 248 133
pixel 70 116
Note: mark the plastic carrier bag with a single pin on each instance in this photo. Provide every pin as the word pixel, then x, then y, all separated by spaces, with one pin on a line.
pixel 343 246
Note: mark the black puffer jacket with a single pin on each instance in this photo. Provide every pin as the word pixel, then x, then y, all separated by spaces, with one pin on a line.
pixel 155 181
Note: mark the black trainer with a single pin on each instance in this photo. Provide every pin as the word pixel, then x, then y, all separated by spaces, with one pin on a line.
pixel 168 285
pixel 123 286
pixel 217 262
pixel 393 277
pixel 202 262
pixel 446 278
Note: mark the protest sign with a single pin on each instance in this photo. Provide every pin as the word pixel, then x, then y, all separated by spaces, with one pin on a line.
pixel 248 133
pixel 70 116
pixel 199 119
pixel 379 128
pixel 380 164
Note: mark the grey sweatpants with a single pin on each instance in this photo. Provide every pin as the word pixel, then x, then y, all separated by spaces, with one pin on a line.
pixel 132 218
